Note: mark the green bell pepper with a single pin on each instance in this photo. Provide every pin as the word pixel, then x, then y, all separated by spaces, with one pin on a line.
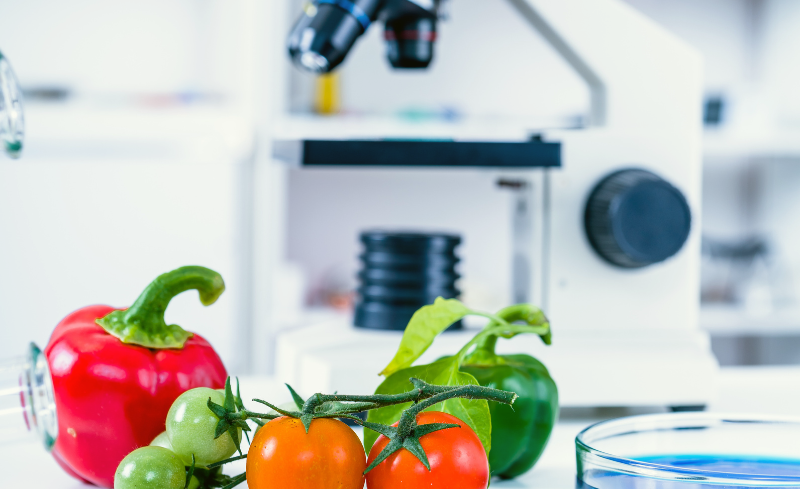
pixel 519 435
pixel 513 439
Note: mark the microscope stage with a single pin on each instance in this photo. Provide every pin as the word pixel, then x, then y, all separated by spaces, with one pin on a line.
pixel 418 152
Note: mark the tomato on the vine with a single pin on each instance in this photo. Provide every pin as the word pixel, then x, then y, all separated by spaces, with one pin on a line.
pixel 191 425
pixel 283 455
pixel 162 441
pixel 456 457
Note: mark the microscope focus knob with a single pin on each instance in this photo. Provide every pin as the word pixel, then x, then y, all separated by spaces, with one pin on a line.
pixel 634 218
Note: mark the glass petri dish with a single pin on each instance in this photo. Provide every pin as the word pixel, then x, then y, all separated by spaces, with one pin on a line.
pixel 689 451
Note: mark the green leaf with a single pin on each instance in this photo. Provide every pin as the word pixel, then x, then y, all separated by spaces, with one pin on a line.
pixel 424 326
pixel 442 372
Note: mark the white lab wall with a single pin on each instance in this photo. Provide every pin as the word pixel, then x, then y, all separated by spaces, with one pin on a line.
pixel 97 231
pixel 722 30
pixel 128 179
pixel 128 47
pixel 141 46
pixel 780 61
pixel 778 206
pixel 775 175
pixel 726 199
pixel 748 189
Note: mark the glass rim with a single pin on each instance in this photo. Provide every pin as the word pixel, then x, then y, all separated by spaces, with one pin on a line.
pixel 672 421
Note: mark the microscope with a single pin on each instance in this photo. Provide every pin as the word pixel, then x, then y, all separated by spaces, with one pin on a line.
pixel 606 230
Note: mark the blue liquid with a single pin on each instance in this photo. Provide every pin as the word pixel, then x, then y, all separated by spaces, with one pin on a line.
pixel 730 464
pixel 742 468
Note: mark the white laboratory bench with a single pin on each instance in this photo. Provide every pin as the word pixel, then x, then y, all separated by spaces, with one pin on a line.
pixel 766 390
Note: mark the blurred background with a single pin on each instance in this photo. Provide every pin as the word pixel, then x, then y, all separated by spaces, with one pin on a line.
pixel 149 126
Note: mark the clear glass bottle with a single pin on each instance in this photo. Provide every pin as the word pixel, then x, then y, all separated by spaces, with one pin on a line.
pixel 12 120
pixel 27 401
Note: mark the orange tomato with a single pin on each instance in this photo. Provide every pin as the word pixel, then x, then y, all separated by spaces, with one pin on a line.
pixel 283 455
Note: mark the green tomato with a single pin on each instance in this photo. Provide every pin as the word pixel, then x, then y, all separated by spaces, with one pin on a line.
pixel 150 467
pixel 194 483
pixel 162 440
pixel 191 426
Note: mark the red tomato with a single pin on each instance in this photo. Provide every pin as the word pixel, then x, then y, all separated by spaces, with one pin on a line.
pixel 283 455
pixel 456 456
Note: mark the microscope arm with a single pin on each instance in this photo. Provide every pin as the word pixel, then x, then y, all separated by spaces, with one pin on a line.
pixel 639 75
pixel 597 89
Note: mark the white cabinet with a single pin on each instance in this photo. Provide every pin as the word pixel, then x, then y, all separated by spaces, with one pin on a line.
pixel 104 201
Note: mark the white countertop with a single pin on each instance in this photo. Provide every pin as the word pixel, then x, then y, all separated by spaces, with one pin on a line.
pixel 768 390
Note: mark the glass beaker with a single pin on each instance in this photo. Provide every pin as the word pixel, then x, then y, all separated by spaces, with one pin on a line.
pixel 27 401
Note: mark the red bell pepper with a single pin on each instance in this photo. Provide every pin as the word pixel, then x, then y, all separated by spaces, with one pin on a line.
pixel 116 372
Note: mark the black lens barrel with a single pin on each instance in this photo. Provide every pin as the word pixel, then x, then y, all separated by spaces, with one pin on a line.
pixel 409 41
pixel 327 30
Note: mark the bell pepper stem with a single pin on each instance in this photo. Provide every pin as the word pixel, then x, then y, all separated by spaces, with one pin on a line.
pixel 143 323
pixel 487 343
pixel 517 312
pixel 528 314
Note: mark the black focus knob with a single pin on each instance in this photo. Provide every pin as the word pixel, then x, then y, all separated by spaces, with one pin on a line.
pixel 634 218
